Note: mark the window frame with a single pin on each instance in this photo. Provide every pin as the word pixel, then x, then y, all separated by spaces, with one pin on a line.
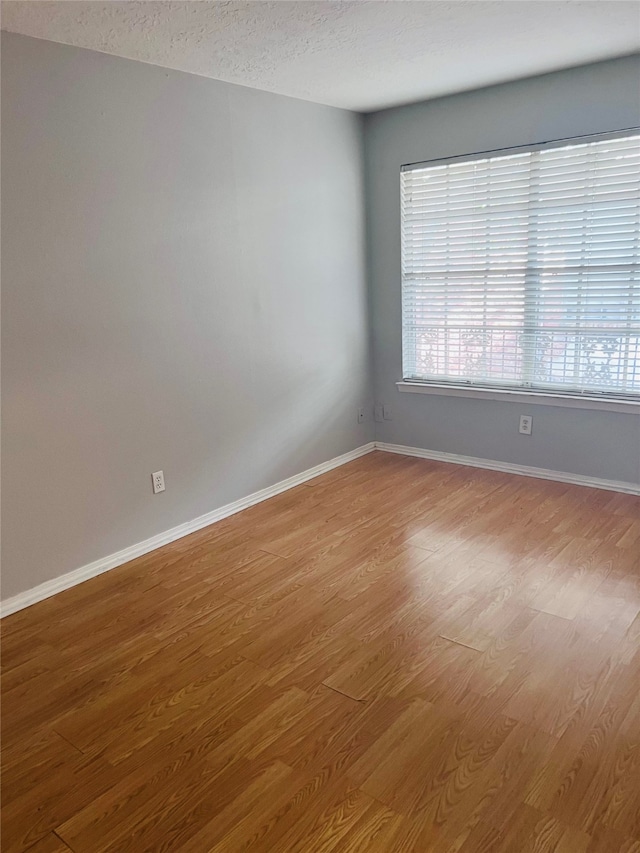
pixel 586 399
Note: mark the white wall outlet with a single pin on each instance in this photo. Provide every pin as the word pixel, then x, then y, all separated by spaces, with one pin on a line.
pixel 526 424
pixel 361 414
pixel 378 414
pixel 386 413
pixel 158 482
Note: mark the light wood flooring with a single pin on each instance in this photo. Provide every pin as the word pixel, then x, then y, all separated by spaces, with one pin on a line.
pixel 399 655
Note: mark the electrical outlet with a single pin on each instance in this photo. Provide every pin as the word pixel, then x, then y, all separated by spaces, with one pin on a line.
pixel 361 415
pixel 526 424
pixel 386 413
pixel 158 482
pixel 378 413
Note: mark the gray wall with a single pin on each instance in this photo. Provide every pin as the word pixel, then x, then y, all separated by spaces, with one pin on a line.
pixel 184 288
pixel 595 98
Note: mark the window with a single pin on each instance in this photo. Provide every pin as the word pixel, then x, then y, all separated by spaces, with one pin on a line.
pixel 521 269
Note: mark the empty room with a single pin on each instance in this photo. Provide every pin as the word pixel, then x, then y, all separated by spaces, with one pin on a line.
pixel 320 426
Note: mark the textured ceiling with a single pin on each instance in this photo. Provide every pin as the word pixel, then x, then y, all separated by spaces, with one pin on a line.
pixel 360 55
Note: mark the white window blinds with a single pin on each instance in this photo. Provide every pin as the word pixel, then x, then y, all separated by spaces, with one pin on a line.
pixel 523 269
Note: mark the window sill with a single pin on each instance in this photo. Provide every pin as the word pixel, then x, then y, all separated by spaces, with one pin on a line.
pixel 538 398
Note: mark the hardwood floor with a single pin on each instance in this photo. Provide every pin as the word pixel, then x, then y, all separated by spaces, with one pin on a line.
pixel 397 656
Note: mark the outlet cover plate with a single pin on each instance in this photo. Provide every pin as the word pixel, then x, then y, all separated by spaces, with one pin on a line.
pixel 526 424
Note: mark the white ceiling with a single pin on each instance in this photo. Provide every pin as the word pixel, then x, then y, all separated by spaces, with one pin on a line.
pixel 360 55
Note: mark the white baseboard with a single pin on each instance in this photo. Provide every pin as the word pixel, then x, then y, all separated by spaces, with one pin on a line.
pixel 49 588
pixel 511 468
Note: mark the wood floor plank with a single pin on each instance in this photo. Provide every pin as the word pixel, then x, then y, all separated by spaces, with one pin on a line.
pixel 400 656
pixel 50 844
